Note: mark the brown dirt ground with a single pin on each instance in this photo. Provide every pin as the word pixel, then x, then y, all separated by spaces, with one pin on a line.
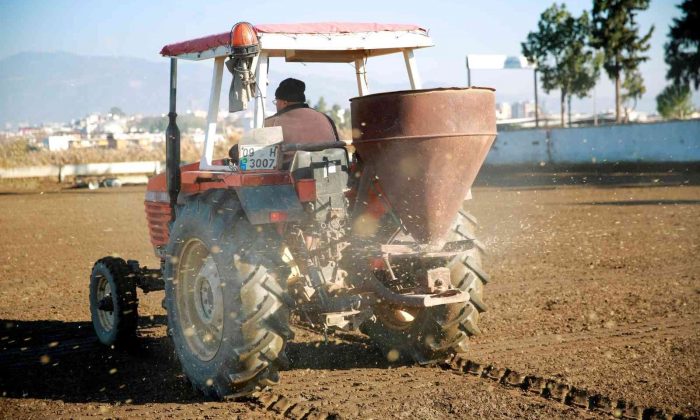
pixel 597 285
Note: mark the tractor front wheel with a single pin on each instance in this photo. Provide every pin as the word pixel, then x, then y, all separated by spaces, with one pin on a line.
pixel 113 302
pixel 226 297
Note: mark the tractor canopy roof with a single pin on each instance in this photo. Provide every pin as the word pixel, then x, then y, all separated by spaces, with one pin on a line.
pixel 330 42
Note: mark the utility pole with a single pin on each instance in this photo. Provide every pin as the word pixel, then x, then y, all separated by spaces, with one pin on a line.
pixel 595 112
pixel 469 74
pixel 537 111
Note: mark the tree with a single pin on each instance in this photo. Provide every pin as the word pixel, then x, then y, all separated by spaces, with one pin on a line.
pixel 115 110
pixel 617 34
pixel 336 115
pixel 675 101
pixel 633 89
pixel 683 48
pixel 321 105
pixel 559 50
pixel 583 65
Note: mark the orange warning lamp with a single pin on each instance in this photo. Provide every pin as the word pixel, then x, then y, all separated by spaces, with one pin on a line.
pixel 243 35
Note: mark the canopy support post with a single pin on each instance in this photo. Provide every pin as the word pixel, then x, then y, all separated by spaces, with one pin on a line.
pixel 362 88
pixel 213 114
pixel 261 82
pixel 413 75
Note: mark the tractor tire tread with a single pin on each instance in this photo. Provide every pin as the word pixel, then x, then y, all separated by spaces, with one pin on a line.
pixel 440 331
pixel 255 352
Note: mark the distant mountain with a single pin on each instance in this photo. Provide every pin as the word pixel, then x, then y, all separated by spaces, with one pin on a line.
pixel 42 87
pixel 60 86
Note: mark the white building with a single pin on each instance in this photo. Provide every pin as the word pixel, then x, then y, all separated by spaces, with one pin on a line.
pixel 91 123
pixel 58 143
pixel 503 111
pixel 114 127
pixel 523 109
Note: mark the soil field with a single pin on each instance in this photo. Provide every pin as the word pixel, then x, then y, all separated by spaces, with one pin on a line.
pixel 594 285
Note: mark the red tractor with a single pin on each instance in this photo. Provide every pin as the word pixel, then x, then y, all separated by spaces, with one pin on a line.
pixel 377 240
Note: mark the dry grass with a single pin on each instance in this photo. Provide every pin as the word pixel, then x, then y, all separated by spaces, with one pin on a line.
pixel 20 153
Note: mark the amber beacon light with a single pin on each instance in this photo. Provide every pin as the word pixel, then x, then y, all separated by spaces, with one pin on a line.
pixel 243 38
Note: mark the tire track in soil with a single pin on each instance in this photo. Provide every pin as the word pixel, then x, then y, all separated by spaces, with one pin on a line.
pixel 293 408
pixel 656 329
pixel 296 408
pixel 18 354
pixel 558 391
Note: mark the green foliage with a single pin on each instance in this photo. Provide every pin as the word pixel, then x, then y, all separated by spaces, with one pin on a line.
pixel 321 105
pixel 633 88
pixel 683 48
pixel 559 48
pixel 115 110
pixel 337 115
pixel 547 46
pixel 585 70
pixel 185 123
pixel 152 124
pixel 616 33
pixel 340 116
pixel 675 101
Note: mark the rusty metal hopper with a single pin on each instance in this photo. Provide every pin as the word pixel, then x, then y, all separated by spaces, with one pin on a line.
pixel 425 147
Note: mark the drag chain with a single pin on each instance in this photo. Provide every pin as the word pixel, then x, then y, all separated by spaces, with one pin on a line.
pixel 558 391
pixel 292 408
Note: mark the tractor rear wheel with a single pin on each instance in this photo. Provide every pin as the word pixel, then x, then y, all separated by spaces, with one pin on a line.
pixel 226 298
pixel 430 334
pixel 113 302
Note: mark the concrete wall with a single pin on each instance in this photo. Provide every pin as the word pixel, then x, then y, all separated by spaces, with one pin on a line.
pixel 49 171
pixel 665 142
pixel 87 169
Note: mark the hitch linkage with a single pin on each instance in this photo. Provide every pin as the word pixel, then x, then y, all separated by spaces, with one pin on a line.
pixel 147 279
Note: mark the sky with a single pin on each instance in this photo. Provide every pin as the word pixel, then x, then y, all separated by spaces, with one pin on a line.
pixel 140 28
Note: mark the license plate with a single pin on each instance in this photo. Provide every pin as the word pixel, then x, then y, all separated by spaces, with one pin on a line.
pixel 254 158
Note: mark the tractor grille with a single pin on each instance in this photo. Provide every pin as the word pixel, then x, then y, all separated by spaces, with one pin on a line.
pixel 158 216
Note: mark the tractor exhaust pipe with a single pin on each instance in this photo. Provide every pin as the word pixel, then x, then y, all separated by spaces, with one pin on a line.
pixel 172 143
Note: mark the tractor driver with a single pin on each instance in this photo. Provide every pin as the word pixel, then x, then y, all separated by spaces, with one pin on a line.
pixel 300 123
